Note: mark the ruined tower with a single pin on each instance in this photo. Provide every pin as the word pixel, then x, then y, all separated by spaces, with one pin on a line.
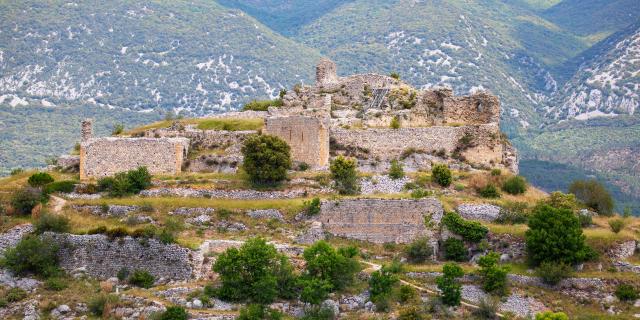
pixel 87 130
pixel 326 72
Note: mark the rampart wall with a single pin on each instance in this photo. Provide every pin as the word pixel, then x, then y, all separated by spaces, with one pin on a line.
pixel 308 138
pixel 380 220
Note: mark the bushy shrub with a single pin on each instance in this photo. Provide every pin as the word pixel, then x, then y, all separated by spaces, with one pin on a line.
pixel 441 175
pixel 98 304
pixel 616 225
pixel 115 233
pixel 313 206
pixel 325 263
pixel 407 294
pixel 262 105
pixel 39 179
pixel 489 191
pixel 419 250
pixel 494 276
pixel 33 255
pixel 555 235
pixel 487 309
pixel 314 291
pixel 174 313
pixel 449 285
pixel 396 171
pixel 118 128
pixel 550 315
pixel 349 251
pixel 626 292
pixel 552 273
pixel 412 313
pixel 469 230
pixel 141 278
pixel 97 230
pixel 318 313
pixel 15 294
pixel 395 123
pixel 16 171
pixel 53 223
pixel 561 200
pixel 585 220
pixel 593 194
pixel 24 200
pixel 140 179
pixel 515 185
pixel 65 186
pixel 266 159
pixel 126 183
pixel 265 275
pixel 496 172
pixel 56 284
pixel 381 283
pixel 395 75
pixel 344 175
pixel 419 193
pixel 258 312
pixel 454 250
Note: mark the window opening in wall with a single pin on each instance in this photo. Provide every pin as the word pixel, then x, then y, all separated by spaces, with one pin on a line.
pixel 480 107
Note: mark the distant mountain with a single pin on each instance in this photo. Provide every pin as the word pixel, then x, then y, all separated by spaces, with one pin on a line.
pixel 595 18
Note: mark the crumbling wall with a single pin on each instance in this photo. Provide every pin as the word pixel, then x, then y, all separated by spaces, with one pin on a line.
pixel 101 157
pixel 380 220
pixel 326 72
pixel 102 258
pixel 308 138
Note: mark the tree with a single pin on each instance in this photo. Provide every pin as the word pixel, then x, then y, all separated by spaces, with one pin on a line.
pixel 380 285
pixel 325 263
pixel 441 174
pixel 266 159
pixel 39 179
pixel 315 291
pixel 32 255
pixel 494 276
pixel 594 195
pixel 396 171
pixel 448 284
pixel 254 273
pixel 344 175
pixel 555 235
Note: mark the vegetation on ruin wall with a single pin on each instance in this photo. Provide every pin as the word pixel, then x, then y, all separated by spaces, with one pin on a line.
pixel 229 124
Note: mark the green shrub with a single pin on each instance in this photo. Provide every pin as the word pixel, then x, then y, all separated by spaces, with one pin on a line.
pixel 15 294
pixel 419 250
pixel 303 166
pixel 59 186
pixel 395 75
pixel 489 191
pixel 441 175
pixel 314 291
pixel 53 223
pixel 344 175
pixel 266 159
pixel 494 276
pixel 318 313
pixel 262 105
pixel 550 315
pixel 24 200
pixel 515 185
pixel 555 235
pixel 3 302
pixel 626 292
pixel 419 193
pixel 56 284
pixel 449 285
pixel 471 231
pixel 395 123
pixel 561 200
pixel 487 309
pixel 140 179
pixel 513 213
pixel 258 312
pixel 616 225
pixel 98 230
pixel 454 250
pixel 412 313
pixel 349 251
pixel 585 220
pixel 396 171
pixel 313 206
pixel 325 263
pixel 496 172
pixel 16 171
pixel 174 313
pixel 265 275
pixel 381 283
pixel 39 179
pixel 33 255
pixel 98 304
pixel 118 128
pixel 123 273
pixel 593 194
pixel 126 183
pixel 407 294
pixel 115 233
pixel 142 279
pixel 552 273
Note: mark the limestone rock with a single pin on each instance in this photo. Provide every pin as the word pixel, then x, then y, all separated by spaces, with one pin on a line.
pixel 485 212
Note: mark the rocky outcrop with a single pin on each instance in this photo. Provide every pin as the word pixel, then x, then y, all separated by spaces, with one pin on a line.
pixel 485 212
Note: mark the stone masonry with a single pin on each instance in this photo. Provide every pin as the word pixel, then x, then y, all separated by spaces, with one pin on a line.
pixel 308 138
pixel 379 220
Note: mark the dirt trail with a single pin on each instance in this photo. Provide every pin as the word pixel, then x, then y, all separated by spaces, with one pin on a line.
pixel 57 204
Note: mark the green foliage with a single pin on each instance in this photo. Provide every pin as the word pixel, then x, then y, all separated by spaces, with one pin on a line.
pixel 515 185
pixel 489 191
pixel 344 175
pixel 585 220
pixel 396 171
pixel 24 200
pixel 99 303
pixel 325 263
pixel 513 213
pixel 395 75
pixel 123 273
pixel 441 174
pixel 626 292
pixel 258 312
pixel 449 285
pixel 59 186
pixel 496 172
pixel 266 159
pixel 318 313
pixel 412 313
pixel 555 235
pixel 15 294
pixel 39 179
pixel 419 193
pixel 349 251
pixel 487 309
pixel 469 230
pixel 616 225
pixel 494 276
pixel 33 255
pixel 141 278
pixel 419 250
pixel 314 290
pixel 552 273
pixel 454 250
pixel 407 294
pixel 126 183
pixel 550 315
pixel 118 128
pixel 262 105
pixel 593 194
pixel 561 200
pixel 381 283
pixel 255 272
pixel 53 223
pixel 174 313
pixel 395 123
pixel 313 206
pixel 16 171
pixel 56 284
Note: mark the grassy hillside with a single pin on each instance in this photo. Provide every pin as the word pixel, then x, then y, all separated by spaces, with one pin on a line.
pixel 596 18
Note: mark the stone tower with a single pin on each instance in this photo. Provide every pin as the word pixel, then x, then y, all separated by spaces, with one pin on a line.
pixel 326 72
pixel 87 130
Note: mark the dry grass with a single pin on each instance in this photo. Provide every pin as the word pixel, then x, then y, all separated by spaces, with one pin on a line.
pixel 205 124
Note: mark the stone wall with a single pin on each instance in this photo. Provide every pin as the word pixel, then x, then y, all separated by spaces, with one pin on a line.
pixel 308 138
pixel 101 157
pixel 103 258
pixel 379 220
pixel 326 72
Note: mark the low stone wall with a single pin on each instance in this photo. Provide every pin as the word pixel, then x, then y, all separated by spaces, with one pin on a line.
pixel 102 258
pixel 380 220
pixel 11 238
